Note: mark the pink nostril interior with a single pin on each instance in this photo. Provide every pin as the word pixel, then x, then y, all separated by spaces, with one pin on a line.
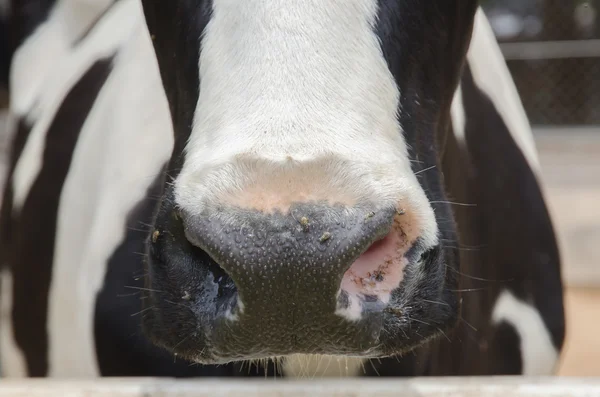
pixel 377 245
pixel 380 269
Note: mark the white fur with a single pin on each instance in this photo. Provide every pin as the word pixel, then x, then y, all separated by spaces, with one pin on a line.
pixel 36 58
pixel 537 351
pixel 314 366
pixel 458 116
pixel 13 359
pixel 297 103
pixel 352 312
pixel 493 77
pixel 125 141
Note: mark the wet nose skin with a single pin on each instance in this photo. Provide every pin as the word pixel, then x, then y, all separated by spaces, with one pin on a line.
pixel 287 269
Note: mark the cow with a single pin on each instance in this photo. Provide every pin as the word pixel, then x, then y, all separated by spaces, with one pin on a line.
pixel 268 188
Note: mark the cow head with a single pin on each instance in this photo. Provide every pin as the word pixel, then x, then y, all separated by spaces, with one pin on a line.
pixel 303 210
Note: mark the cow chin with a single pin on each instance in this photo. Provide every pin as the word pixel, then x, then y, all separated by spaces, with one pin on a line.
pixel 280 285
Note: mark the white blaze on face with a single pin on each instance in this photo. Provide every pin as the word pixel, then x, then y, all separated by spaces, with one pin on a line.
pixel 297 104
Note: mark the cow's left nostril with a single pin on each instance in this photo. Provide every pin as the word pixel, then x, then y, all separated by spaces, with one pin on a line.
pixel 380 269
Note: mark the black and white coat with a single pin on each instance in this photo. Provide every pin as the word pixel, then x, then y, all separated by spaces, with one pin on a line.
pixel 128 112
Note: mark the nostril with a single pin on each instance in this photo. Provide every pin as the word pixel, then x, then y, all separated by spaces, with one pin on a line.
pixel 380 269
pixel 377 246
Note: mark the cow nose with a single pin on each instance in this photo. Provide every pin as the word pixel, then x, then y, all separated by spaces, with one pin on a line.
pixel 288 268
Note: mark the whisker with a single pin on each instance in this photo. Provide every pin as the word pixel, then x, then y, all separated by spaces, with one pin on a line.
pixel 142 311
pixel 127 295
pixel 362 363
pixel 443 333
pixel 419 321
pixel 135 229
pixel 373 366
pixel 328 363
pixel 177 303
pixel 453 247
pixel 468 290
pixel 436 302
pixel 447 240
pixel 183 340
pixel 405 334
pixel 478 278
pixel 264 363
pixel 453 203
pixel 425 169
pixel 469 324
pixel 144 289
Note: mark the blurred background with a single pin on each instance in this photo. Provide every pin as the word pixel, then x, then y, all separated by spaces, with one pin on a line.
pixel 552 48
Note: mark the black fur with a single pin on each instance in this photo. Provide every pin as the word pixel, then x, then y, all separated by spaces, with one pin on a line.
pixel 176 29
pixel 25 17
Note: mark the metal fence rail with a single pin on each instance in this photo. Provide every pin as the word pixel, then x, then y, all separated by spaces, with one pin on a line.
pixel 417 387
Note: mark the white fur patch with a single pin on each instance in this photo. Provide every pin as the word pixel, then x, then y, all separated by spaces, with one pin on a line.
pixel 537 351
pixel 39 56
pixel 493 77
pixel 352 312
pixel 316 366
pixel 457 113
pixel 13 360
pixel 297 103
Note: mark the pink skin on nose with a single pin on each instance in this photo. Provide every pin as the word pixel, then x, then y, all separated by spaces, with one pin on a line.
pixel 380 269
